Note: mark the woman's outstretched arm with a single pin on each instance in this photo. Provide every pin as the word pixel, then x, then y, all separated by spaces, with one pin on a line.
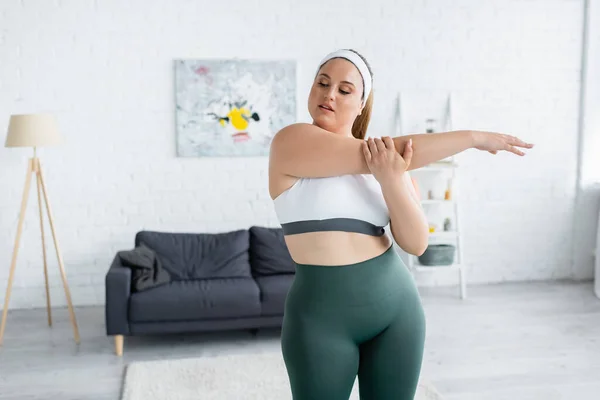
pixel 432 147
pixel 306 151
pixel 429 149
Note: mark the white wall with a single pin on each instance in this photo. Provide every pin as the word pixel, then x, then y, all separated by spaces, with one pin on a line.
pixel 105 69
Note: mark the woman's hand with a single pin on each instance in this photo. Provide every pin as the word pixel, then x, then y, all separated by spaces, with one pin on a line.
pixel 384 161
pixel 495 142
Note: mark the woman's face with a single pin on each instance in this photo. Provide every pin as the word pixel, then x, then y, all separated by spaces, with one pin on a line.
pixel 335 101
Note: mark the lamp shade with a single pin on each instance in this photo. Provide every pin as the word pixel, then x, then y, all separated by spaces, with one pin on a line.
pixel 32 130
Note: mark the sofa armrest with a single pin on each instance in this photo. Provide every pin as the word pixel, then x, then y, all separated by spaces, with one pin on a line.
pixel 117 292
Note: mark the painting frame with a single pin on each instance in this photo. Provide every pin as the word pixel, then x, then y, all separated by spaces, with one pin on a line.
pixel 232 107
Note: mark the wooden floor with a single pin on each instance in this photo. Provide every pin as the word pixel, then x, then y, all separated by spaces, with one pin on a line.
pixel 510 341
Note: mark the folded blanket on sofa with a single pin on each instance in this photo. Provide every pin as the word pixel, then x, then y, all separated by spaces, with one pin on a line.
pixel 147 270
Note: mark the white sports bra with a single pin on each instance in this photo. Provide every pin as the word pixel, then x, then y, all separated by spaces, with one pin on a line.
pixel 351 203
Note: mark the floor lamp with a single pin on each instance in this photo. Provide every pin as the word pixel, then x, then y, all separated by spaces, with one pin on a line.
pixel 35 130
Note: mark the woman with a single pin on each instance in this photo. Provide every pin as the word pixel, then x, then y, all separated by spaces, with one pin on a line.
pixel 353 309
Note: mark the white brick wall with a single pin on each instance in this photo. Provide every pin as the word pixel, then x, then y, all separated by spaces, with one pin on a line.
pixel 104 67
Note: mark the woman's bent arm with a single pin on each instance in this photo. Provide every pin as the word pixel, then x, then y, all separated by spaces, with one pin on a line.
pixel 408 221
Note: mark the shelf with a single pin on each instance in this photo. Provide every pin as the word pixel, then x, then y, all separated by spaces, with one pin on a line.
pixel 437 166
pixel 423 268
pixel 425 104
pixel 436 201
pixel 443 234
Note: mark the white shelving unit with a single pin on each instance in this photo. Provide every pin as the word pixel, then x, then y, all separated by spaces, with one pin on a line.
pixel 450 208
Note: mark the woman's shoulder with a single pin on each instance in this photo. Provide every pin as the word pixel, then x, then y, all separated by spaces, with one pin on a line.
pixel 297 127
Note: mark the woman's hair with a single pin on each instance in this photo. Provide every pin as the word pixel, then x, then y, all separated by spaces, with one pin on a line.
pixel 361 123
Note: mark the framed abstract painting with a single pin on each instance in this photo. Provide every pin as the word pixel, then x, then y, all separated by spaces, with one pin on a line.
pixel 227 108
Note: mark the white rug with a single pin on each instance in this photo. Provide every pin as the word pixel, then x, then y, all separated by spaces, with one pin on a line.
pixel 226 377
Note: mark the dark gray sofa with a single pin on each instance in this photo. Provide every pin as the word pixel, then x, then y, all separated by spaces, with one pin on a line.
pixel 218 281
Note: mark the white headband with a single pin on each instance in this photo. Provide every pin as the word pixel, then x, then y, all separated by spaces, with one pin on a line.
pixel 358 62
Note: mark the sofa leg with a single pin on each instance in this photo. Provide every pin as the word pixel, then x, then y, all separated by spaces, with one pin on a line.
pixel 254 331
pixel 119 345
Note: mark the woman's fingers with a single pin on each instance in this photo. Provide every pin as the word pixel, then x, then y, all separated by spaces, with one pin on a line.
pixel 380 145
pixel 507 146
pixel 408 153
pixel 515 141
pixel 366 151
pixel 389 143
pixel 521 143
pixel 514 150
pixel 373 147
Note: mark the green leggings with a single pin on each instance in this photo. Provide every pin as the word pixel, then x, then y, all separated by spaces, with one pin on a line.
pixel 363 319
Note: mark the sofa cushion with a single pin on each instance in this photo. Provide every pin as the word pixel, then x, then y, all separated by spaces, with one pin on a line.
pixel 273 291
pixel 197 300
pixel 268 252
pixel 200 255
